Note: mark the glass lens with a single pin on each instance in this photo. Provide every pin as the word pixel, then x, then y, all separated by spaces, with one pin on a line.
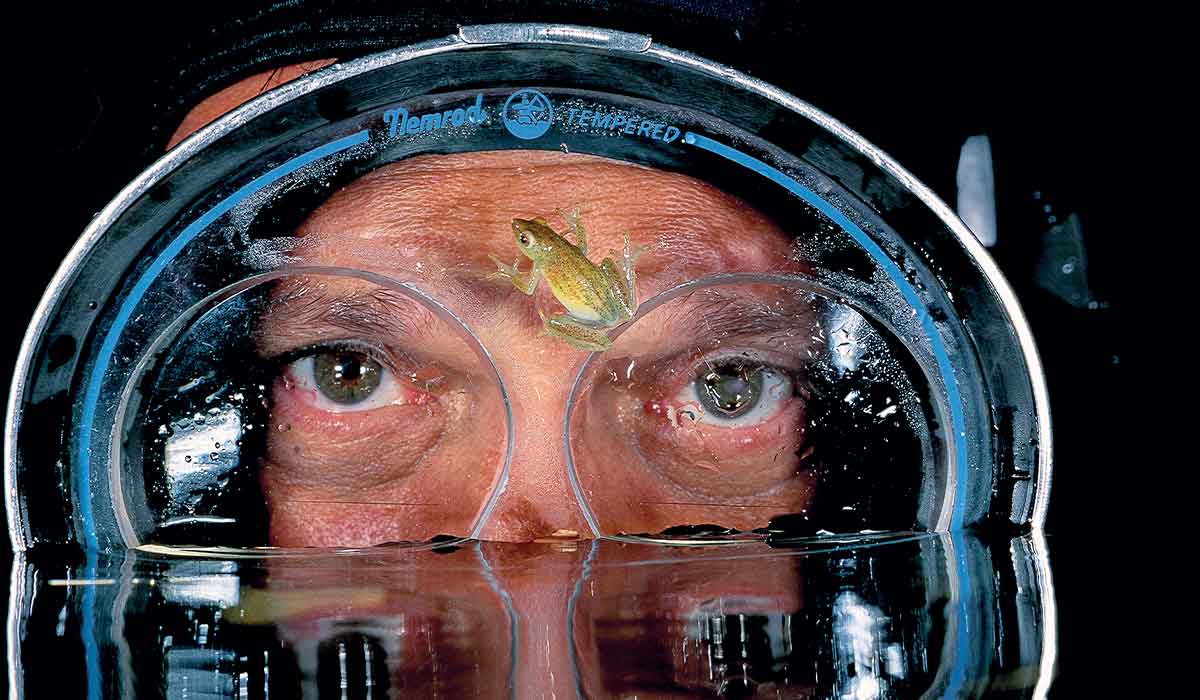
pixel 745 401
pixel 313 408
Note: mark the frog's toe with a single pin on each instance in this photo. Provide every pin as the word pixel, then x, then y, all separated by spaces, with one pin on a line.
pixel 599 344
pixel 503 269
pixel 632 253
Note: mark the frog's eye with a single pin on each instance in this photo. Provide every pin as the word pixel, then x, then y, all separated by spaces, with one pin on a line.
pixel 523 238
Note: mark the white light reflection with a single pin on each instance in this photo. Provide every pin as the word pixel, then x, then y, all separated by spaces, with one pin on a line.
pixel 218 591
pixel 859 644
pixel 845 341
pixel 199 454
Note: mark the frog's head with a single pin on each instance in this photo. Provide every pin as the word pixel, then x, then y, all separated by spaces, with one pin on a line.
pixel 532 237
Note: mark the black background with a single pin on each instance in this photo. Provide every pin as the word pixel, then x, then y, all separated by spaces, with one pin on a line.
pixel 99 89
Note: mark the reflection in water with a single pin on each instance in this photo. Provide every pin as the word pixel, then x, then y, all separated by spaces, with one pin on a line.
pixel 922 616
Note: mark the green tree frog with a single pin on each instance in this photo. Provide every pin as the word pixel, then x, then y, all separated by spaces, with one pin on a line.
pixel 596 297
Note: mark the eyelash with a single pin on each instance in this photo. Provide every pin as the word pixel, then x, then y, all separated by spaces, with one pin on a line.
pixel 376 353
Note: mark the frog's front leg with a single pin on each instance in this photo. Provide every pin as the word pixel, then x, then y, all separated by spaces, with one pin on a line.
pixel 572 220
pixel 573 332
pixel 523 282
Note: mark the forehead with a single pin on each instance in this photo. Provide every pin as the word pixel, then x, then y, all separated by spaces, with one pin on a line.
pixel 460 207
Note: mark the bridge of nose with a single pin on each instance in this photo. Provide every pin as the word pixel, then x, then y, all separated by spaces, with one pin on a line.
pixel 537 500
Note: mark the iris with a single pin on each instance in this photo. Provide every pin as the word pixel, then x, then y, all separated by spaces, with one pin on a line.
pixel 346 377
pixel 730 389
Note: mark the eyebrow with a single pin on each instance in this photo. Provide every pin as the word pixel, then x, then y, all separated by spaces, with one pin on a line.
pixel 717 315
pixel 308 311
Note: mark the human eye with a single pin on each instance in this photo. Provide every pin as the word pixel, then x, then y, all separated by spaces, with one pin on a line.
pixel 350 417
pixel 384 422
pixel 350 377
pixel 726 425
pixel 735 392
pixel 698 414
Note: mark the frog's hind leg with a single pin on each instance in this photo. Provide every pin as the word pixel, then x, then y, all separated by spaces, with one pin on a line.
pixel 523 282
pixel 616 277
pixel 574 333
pixel 572 220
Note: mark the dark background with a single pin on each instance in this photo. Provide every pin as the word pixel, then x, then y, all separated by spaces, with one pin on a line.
pixel 100 89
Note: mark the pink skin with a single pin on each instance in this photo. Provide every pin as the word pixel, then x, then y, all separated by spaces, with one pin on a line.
pixel 422 463
pixel 343 477
pixel 433 220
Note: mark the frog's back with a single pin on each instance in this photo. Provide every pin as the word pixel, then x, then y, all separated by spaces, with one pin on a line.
pixel 578 283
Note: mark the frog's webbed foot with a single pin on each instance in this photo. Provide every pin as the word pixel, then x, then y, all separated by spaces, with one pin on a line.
pixel 571 217
pixel 504 271
pixel 574 333
pixel 525 283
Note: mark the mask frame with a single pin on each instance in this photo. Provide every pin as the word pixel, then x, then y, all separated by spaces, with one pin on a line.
pixel 1013 467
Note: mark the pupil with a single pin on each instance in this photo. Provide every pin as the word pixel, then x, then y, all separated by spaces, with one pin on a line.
pixel 524 239
pixel 730 390
pixel 347 369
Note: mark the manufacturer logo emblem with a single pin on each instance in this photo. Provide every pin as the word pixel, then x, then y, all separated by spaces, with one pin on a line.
pixel 528 114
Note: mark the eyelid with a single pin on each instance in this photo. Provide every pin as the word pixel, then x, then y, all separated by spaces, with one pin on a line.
pixel 386 358
pixel 738 320
pixel 686 366
pixel 295 367
pixel 753 355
